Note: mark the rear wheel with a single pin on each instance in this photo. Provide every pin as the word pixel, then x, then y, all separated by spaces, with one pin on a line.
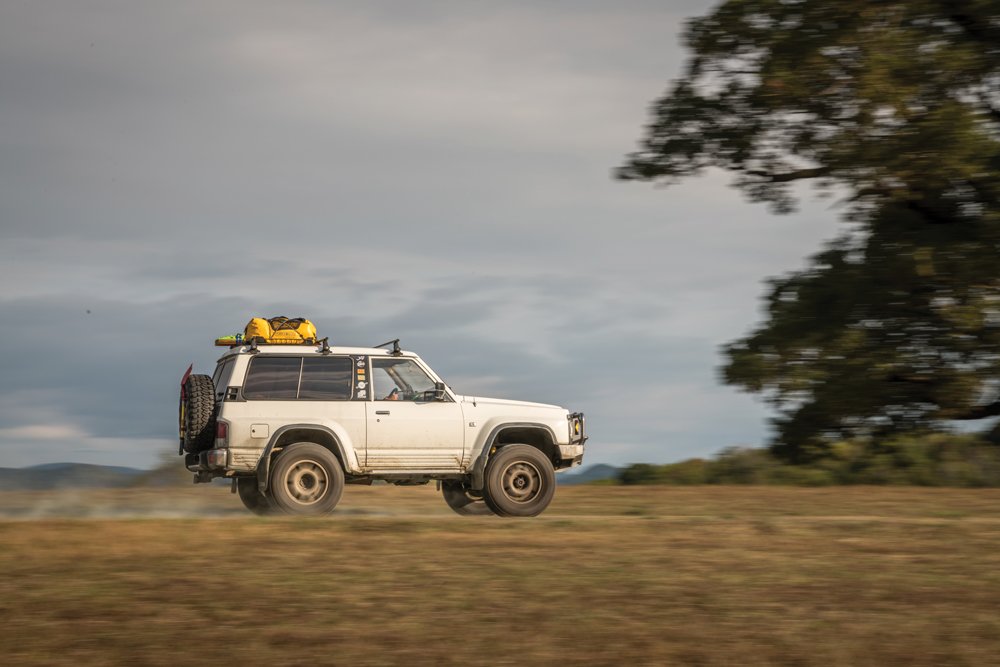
pixel 197 414
pixel 519 481
pixel 306 480
pixel 255 501
pixel 463 500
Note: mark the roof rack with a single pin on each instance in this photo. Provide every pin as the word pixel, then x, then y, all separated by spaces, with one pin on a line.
pixel 395 347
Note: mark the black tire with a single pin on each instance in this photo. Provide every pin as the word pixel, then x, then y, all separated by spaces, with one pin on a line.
pixel 463 500
pixel 197 414
pixel 519 481
pixel 253 499
pixel 306 480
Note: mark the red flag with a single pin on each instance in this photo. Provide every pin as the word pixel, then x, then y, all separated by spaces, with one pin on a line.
pixel 184 379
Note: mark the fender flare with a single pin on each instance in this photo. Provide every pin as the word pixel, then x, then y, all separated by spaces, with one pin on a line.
pixel 264 463
pixel 479 467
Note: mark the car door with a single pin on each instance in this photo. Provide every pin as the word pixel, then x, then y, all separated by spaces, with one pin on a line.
pixel 308 390
pixel 408 429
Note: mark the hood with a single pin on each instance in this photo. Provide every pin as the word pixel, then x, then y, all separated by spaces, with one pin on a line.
pixel 482 400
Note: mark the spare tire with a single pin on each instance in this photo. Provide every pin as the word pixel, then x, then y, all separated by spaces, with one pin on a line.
pixel 197 414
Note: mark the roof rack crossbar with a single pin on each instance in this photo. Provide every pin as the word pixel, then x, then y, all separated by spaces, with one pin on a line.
pixel 395 346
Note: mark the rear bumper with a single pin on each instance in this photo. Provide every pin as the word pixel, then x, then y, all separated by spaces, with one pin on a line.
pixel 207 461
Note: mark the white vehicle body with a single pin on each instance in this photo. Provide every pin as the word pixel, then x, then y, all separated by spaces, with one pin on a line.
pixel 421 431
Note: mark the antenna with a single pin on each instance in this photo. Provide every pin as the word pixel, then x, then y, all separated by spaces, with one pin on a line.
pixel 395 347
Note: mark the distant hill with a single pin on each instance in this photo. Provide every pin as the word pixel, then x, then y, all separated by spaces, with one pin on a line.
pixel 67 476
pixel 592 473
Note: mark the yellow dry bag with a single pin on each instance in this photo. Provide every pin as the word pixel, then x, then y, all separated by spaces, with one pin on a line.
pixel 280 331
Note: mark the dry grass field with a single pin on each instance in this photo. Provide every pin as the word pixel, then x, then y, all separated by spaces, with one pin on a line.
pixel 608 576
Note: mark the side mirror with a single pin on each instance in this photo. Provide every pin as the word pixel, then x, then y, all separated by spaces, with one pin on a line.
pixel 439 391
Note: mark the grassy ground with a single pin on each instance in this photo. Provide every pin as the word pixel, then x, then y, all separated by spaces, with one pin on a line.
pixel 609 575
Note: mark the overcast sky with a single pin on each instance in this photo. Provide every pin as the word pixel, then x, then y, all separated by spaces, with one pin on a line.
pixel 437 172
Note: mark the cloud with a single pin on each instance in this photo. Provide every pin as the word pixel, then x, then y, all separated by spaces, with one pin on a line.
pixel 441 176
pixel 41 432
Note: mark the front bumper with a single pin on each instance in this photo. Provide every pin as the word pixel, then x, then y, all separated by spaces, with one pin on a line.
pixel 577 429
pixel 570 451
pixel 572 454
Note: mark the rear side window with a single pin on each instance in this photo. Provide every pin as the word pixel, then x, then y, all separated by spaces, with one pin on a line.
pixel 273 377
pixel 222 373
pixel 327 378
pixel 289 378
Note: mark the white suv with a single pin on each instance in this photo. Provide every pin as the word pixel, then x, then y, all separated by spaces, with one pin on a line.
pixel 291 424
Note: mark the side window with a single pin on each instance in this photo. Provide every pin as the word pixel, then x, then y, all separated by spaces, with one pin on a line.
pixel 383 384
pixel 222 373
pixel 399 380
pixel 220 380
pixel 327 378
pixel 273 377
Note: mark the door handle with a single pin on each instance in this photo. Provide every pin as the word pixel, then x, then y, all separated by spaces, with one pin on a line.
pixel 381 412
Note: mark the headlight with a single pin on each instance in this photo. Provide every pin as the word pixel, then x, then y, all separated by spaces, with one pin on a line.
pixel 576 427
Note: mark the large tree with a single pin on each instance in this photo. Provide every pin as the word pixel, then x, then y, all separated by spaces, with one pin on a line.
pixel 894 106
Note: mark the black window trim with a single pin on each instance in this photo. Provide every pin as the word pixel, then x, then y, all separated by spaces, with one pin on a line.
pixel 416 362
pixel 298 388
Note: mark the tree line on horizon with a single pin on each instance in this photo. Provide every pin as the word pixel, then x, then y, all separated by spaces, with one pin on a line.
pixel 933 459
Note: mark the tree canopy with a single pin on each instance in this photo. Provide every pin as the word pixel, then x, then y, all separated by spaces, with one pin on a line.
pixel 895 106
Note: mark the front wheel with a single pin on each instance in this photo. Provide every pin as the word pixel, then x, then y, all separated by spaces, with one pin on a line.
pixel 252 498
pixel 520 481
pixel 306 480
pixel 463 500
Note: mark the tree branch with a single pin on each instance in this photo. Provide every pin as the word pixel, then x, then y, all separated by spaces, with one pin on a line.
pixel 791 175
pixel 917 379
pixel 978 412
pixel 970 25
pixel 929 214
